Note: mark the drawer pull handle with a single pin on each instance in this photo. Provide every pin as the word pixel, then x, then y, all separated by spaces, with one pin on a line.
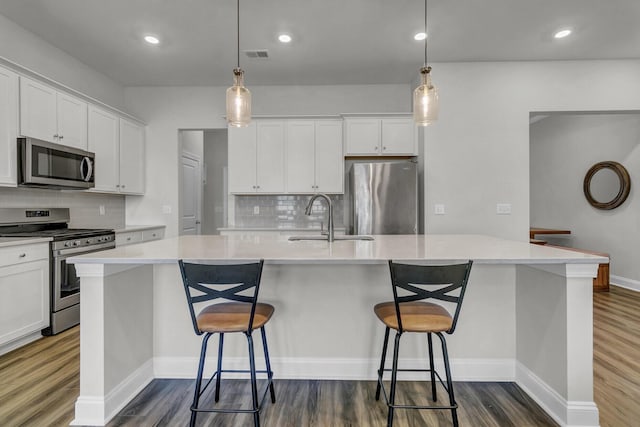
pixel 128 238
pixel 22 255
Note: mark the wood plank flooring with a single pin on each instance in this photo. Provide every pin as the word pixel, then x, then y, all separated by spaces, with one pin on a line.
pixel 39 385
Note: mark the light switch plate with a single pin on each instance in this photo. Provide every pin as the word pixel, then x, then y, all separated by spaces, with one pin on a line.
pixel 256 210
pixel 438 209
pixel 102 210
pixel 503 208
pixel 166 209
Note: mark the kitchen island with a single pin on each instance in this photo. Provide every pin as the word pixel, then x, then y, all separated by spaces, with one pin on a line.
pixel 527 315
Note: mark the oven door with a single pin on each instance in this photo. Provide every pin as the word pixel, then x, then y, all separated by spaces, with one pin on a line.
pixel 65 287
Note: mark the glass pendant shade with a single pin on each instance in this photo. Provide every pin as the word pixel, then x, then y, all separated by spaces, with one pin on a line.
pixel 238 101
pixel 425 100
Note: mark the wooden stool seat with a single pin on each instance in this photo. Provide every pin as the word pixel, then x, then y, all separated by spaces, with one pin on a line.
pixel 233 289
pixel 233 317
pixel 415 316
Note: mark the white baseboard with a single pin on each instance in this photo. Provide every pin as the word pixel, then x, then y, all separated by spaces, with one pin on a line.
pixel 340 369
pixel 96 411
pixel 19 342
pixel 566 413
pixel 623 282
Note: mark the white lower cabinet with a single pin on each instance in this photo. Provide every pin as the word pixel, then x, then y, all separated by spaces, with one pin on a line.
pixel 24 293
pixel 139 236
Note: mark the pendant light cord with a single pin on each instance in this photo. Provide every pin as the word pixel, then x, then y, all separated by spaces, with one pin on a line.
pixel 425 33
pixel 238 27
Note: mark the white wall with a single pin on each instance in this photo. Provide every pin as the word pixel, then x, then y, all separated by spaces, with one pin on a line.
pixel 168 109
pixel 476 155
pixel 36 54
pixel 32 55
pixel 563 148
pixel 215 191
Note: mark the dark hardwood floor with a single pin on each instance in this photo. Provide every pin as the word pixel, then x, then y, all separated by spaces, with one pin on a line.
pixel 39 385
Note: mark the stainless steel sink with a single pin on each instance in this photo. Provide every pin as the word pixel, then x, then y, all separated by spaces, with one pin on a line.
pixel 336 238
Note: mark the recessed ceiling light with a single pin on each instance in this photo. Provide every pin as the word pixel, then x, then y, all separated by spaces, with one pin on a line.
pixel 152 39
pixel 420 36
pixel 284 38
pixel 562 34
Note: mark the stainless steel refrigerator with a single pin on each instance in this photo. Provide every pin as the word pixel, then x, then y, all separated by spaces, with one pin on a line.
pixel 384 198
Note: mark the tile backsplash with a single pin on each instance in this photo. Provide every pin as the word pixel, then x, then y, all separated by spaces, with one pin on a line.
pixel 84 207
pixel 286 211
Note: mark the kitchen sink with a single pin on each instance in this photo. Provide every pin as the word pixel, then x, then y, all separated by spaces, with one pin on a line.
pixel 325 237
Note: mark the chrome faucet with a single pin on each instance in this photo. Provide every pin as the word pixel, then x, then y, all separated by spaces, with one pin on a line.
pixel 307 211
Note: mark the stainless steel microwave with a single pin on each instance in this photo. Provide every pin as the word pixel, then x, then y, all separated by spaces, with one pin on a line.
pixel 49 165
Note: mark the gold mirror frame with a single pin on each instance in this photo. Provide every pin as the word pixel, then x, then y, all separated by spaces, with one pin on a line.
pixel 623 191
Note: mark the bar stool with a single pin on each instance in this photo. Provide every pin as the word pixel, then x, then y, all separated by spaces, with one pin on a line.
pixel 238 284
pixel 409 312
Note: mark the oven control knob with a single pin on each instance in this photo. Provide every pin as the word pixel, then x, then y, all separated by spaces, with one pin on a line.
pixel 88 241
pixel 76 243
pixel 67 244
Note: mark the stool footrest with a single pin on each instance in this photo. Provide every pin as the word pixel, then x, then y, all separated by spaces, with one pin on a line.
pixel 230 410
pixel 386 399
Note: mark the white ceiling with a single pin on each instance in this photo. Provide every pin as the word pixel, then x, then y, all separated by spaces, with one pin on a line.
pixel 334 41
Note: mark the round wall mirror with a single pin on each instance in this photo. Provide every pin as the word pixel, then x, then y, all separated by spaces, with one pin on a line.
pixel 607 185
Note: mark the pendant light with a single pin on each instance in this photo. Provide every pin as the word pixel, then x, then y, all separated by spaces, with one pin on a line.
pixel 238 96
pixel 425 96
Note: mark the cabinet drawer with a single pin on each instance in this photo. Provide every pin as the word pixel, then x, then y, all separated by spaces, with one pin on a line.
pixel 128 238
pixel 23 253
pixel 153 234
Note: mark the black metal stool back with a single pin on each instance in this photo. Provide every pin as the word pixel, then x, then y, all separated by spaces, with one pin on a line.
pixel 414 289
pixel 231 282
pixel 232 291
pixel 424 282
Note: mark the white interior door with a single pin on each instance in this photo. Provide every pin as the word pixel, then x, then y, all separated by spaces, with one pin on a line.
pixel 191 195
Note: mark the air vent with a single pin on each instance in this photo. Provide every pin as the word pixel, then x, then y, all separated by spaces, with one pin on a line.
pixel 257 53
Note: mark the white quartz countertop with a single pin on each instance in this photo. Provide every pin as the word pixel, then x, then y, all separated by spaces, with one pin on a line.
pixel 17 241
pixel 278 249
pixel 129 228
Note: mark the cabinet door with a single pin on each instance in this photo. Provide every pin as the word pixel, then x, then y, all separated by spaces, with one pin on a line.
pixel 24 299
pixel 270 156
pixel 8 127
pixel 104 141
pixel 132 161
pixel 242 159
pixel 38 106
pixel 300 156
pixel 72 121
pixel 398 137
pixel 362 136
pixel 329 157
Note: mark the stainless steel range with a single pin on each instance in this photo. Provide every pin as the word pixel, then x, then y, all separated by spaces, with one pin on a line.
pixel 66 242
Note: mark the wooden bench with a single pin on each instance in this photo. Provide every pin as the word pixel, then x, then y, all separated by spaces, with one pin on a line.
pixel 601 281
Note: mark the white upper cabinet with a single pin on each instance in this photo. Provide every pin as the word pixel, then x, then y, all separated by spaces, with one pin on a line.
pixel 314 160
pixel 104 141
pixel 52 116
pixel 132 157
pixel 256 158
pixel 380 136
pixel 8 127
pixel 242 159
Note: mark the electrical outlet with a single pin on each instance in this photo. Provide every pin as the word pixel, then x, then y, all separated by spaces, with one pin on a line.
pixel 166 209
pixel 503 208
pixel 102 210
pixel 438 209
pixel 256 210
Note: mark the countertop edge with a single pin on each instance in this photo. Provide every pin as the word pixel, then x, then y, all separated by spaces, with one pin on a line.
pixel 6 242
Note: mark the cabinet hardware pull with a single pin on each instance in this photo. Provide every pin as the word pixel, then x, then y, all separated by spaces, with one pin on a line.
pixel 55 136
pixel 384 148
pixel 22 255
pixel 61 136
